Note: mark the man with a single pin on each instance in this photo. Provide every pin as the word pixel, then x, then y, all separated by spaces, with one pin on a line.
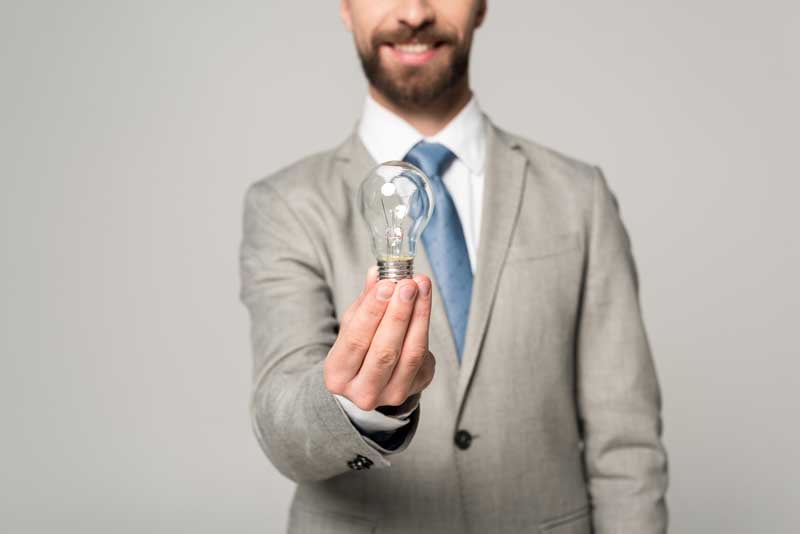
pixel 545 412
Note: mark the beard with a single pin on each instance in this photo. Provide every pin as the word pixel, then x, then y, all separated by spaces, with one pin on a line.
pixel 415 86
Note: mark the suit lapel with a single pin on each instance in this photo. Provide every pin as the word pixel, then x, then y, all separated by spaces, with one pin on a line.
pixel 356 162
pixel 502 196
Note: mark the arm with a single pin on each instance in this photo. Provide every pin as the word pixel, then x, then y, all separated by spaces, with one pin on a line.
pixel 299 424
pixel 618 393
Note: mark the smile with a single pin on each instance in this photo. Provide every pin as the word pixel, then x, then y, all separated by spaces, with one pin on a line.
pixel 413 48
pixel 413 53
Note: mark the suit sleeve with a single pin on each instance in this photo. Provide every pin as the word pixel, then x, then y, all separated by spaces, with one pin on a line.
pixel 618 392
pixel 298 423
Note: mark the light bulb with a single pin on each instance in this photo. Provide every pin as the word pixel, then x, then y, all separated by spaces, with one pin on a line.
pixel 396 202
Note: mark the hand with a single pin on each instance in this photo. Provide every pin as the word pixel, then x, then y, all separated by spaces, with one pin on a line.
pixel 381 355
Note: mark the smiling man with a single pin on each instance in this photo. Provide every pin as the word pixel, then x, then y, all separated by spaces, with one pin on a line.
pixel 543 411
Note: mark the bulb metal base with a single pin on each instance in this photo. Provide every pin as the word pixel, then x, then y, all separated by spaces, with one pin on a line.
pixel 395 270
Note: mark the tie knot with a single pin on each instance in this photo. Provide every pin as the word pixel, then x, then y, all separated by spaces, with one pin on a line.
pixel 432 158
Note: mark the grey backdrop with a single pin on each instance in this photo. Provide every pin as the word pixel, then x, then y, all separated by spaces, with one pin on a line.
pixel 129 131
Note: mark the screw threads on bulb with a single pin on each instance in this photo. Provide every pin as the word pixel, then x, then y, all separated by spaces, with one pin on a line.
pixel 395 270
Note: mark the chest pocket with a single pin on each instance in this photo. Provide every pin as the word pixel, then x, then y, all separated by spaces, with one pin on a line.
pixel 540 247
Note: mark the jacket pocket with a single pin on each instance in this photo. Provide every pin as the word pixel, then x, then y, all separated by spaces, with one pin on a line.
pixel 574 522
pixel 543 247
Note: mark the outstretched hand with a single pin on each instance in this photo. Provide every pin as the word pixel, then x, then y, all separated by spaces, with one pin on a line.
pixel 381 354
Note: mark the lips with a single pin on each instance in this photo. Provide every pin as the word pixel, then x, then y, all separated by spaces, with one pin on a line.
pixel 413 53
pixel 412 48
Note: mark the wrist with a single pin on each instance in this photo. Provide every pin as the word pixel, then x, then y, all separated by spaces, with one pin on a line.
pixel 408 406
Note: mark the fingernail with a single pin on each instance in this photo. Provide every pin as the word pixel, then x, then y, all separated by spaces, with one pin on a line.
pixel 385 291
pixel 424 287
pixel 408 292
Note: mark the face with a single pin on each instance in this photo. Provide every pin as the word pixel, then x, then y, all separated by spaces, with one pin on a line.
pixel 413 51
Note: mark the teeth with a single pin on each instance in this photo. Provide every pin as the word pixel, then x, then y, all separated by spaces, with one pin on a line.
pixel 413 48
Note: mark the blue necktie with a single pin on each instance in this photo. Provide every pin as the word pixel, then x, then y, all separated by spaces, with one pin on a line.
pixel 444 240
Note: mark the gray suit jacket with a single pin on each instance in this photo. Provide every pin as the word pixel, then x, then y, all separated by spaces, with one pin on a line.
pixel 557 389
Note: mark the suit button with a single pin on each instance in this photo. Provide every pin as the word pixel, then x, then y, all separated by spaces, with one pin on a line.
pixel 359 462
pixel 463 439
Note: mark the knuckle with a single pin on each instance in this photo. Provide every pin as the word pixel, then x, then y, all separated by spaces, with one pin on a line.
pixel 365 401
pixel 334 384
pixel 356 344
pixel 363 394
pixel 422 317
pixel 415 355
pixel 396 397
pixel 397 315
pixel 413 363
pixel 385 358
pixel 422 312
pixel 375 310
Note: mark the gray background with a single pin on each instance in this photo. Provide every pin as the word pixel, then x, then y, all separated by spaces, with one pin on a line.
pixel 129 131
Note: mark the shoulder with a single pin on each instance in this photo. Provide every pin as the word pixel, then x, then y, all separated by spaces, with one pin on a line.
pixel 304 175
pixel 307 181
pixel 574 184
pixel 565 178
pixel 550 162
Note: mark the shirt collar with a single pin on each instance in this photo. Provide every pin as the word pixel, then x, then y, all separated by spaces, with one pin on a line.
pixel 389 137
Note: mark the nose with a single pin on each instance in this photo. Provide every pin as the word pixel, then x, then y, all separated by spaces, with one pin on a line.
pixel 415 13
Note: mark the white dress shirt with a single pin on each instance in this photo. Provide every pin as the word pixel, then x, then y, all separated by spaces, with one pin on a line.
pixel 388 137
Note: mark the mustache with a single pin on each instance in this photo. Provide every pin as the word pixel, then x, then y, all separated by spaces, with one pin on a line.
pixel 428 34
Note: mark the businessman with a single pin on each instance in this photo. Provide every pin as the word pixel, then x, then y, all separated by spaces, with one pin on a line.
pixel 509 386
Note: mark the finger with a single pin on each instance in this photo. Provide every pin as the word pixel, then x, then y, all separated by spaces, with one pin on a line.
pixel 376 370
pixel 424 376
pixel 372 277
pixel 354 340
pixel 415 347
pixel 370 280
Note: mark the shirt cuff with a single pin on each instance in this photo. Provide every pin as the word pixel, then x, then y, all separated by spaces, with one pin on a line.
pixel 375 421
